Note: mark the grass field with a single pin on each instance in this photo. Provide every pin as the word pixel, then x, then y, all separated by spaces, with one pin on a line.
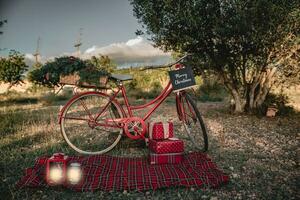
pixel 259 154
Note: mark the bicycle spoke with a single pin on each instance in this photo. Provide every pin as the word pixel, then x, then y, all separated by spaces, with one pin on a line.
pixel 193 124
pixel 85 108
pixel 73 118
pixel 91 136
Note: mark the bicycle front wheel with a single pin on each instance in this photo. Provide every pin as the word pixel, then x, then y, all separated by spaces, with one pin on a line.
pixel 80 123
pixel 193 122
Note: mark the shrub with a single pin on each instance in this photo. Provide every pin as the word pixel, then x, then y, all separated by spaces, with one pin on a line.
pixel 138 93
pixel 211 91
pixel 155 90
pixel 12 68
pixel 49 74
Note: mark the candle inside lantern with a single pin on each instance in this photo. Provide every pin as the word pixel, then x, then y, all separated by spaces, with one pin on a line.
pixel 56 169
pixel 56 172
pixel 74 173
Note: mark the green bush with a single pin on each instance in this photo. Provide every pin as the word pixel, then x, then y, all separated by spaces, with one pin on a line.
pixel 136 93
pixel 156 89
pixel 49 74
pixel 12 68
pixel 139 93
pixel 211 91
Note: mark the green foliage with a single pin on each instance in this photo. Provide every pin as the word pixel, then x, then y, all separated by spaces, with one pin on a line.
pixel 288 55
pixel 91 75
pixel 37 65
pixel 139 93
pixel 49 74
pixel 132 84
pixel 211 91
pixel 219 32
pixel 102 63
pixel 231 38
pixel 145 84
pixel 155 90
pixel 53 69
pixel 12 68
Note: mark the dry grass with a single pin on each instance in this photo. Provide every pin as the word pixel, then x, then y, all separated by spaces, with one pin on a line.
pixel 259 154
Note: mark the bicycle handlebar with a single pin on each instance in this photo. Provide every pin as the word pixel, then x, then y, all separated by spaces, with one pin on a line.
pixel 165 66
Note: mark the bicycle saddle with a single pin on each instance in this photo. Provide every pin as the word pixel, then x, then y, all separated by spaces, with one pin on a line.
pixel 121 77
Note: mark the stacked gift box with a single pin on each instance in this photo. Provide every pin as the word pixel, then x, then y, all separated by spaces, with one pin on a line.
pixel 164 147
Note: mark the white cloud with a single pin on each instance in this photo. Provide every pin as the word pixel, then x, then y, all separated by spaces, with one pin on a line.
pixel 90 50
pixel 135 41
pixel 29 56
pixel 134 52
pixel 30 59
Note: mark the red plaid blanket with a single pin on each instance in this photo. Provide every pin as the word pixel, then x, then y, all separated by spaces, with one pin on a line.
pixel 117 173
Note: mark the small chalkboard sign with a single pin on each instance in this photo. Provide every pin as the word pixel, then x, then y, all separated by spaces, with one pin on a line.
pixel 182 78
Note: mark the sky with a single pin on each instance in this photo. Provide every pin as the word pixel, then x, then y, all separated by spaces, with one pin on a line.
pixel 107 26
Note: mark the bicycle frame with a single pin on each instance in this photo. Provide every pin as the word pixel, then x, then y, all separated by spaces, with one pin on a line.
pixel 157 101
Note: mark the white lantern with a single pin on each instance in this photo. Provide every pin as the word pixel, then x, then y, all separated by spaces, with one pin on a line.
pixel 74 173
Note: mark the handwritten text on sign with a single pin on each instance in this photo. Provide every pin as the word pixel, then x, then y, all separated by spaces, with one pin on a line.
pixel 182 78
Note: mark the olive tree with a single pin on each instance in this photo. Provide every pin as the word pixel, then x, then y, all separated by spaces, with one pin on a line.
pixel 12 69
pixel 236 39
pixel 102 62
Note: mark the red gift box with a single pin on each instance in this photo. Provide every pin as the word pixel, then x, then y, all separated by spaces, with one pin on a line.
pixel 168 158
pixel 160 130
pixel 171 145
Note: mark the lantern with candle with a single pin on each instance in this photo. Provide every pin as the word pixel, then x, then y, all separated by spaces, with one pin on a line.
pixel 56 169
pixel 74 173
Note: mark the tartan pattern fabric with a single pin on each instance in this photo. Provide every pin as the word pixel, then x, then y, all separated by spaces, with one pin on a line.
pixel 160 130
pixel 171 158
pixel 110 173
pixel 171 145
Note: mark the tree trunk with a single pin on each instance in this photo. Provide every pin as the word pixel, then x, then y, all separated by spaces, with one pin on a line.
pixel 251 93
pixel 265 87
pixel 259 89
pixel 239 103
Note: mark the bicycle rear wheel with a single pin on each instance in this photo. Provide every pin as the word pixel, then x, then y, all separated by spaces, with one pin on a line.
pixel 193 122
pixel 82 131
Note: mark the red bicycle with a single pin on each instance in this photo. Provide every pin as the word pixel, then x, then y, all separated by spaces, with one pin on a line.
pixel 93 122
